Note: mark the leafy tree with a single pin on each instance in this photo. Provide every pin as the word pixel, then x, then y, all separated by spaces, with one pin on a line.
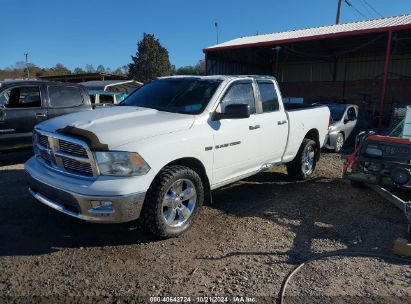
pixel 60 69
pixel 197 69
pixel 90 68
pixel 124 69
pixel 151 60
pixel 100 69
pixel 118 72
pixel 78 70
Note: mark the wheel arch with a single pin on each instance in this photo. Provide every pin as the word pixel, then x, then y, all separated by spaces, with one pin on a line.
pixel 197 166
pixel 314 135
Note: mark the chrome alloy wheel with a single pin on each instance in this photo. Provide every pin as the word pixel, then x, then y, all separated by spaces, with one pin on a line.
pixel 339 142
pixel 307 165
pixel 179 202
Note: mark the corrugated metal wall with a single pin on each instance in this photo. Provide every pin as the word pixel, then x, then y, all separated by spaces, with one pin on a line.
pixel 233 68
pixel 348 69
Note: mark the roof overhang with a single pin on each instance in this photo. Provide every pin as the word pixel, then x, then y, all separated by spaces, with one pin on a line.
pixel 239 45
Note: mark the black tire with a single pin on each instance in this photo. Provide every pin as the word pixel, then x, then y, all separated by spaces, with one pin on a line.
pixel 152 213
pixel 337 147
pixel 295 167
pixel 357 184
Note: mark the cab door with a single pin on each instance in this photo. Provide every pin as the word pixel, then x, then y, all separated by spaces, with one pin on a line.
pixel 65 99
pixel 21 109
pixel 235 145
pixel 273 121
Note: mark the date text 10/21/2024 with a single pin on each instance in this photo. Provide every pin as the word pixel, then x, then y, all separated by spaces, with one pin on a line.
pixel 203 299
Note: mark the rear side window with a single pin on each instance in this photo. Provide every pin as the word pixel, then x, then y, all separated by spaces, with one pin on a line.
pixel 64 97
pixel 21 97
pixel 268 96
pixel 239 93
pixel 92 98
pixel 106 98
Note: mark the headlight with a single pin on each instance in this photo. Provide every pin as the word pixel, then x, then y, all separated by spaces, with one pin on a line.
pixel 121 164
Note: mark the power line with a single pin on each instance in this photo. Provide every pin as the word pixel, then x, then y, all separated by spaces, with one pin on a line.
pixel 366 8
pixel 353 7
pixel 371 7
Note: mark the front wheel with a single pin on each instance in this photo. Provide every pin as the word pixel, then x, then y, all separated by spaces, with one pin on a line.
pixel 173 201
pixel 303 165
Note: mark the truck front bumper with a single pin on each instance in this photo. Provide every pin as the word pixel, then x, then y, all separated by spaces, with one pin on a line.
pixel 95 207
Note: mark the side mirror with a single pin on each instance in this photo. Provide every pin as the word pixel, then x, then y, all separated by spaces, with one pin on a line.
pixel 233 111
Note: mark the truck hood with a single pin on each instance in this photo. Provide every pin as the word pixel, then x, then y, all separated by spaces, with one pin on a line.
pixel 116 126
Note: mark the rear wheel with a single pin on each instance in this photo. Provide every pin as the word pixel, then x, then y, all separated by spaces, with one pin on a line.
pixel 303 165
pixel 173 201
pixel 339 142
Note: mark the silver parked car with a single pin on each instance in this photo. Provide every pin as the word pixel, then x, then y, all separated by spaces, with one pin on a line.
pixel 343 121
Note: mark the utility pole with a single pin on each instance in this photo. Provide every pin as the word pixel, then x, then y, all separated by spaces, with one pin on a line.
pixel 216 28
pixel 337 20
pixel 27 65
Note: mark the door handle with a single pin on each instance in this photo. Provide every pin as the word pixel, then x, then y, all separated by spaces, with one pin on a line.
pixel 41 115
pixel 255 127
pixel 281 122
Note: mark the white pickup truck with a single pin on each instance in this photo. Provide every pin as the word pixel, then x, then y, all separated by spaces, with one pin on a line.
pixel 158 154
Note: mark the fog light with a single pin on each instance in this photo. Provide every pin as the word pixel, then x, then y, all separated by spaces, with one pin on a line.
pixel 400 176
pixel 101 207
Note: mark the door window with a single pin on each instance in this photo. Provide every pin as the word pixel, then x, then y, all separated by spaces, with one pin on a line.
pixel 268 96
pixel 65 97
pixel 239 93
pixel 21 97
pixel 351 113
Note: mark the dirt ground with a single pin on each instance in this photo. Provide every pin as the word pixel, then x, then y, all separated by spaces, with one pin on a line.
pixel 245 244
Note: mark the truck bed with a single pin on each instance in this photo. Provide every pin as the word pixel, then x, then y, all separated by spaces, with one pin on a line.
pixel 299 106
pixel 302 119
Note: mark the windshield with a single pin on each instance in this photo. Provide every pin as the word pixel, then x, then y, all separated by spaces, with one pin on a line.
pixel 178 95
pixel 337 111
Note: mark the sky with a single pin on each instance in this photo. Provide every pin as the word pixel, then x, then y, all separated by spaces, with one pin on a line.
pixel 80 32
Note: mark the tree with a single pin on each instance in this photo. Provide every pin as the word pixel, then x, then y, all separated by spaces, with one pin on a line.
pixel 118 72
pixel 78 70
pixel 197 69
pixel 90 68
pixel 60 69
pixel 151 60
pixel 100 69
pixel 124 69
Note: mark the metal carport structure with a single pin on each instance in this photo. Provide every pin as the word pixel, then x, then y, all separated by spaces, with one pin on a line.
pixel 328 60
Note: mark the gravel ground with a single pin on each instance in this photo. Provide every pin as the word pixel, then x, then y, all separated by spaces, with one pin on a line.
pixel 245 244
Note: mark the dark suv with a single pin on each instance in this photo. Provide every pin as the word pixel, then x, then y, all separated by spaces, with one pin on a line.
pixel 23 104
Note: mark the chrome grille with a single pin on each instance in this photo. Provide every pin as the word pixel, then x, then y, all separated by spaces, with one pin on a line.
pixel 69 147
pixel 46 156
pixel 77 167
pixel 65 154
pixel 43 140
